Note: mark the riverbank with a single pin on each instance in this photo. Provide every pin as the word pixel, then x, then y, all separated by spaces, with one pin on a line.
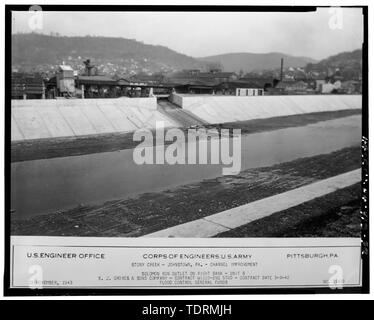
pixel 63 147
pixel 322 217
pixel 151 212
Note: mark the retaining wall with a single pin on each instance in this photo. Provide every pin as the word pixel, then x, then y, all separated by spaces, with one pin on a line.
pixel 38 119
pixel 176 99
pixel 220 109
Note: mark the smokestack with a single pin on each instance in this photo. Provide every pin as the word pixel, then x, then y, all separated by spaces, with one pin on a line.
pixel 281 74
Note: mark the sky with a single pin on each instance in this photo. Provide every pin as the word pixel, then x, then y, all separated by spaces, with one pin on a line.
pixel 318 34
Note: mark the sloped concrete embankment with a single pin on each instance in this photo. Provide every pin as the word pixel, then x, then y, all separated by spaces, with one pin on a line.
pixel 38 119
pixel 221 109
pixel 43 119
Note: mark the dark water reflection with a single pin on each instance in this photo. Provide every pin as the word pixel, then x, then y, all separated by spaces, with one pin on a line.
pixel 42 186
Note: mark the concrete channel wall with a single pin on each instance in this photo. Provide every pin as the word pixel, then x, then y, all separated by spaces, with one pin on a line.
pixel 176 99
pixel 221 109
pixel 38 119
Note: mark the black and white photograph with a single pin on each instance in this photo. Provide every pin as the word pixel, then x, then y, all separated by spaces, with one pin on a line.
pixel 188 126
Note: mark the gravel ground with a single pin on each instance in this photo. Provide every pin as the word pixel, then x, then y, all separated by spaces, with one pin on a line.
pixel 321 217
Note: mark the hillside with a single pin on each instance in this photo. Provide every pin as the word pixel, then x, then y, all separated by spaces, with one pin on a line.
pixel 349 64
pixel 38 52
pixel 110 54
pixel 249 62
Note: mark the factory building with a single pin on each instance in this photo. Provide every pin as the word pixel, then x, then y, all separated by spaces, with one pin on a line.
pixel 27 86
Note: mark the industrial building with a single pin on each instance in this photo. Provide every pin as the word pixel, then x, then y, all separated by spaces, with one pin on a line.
pixel 68 83
pixel 27 86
